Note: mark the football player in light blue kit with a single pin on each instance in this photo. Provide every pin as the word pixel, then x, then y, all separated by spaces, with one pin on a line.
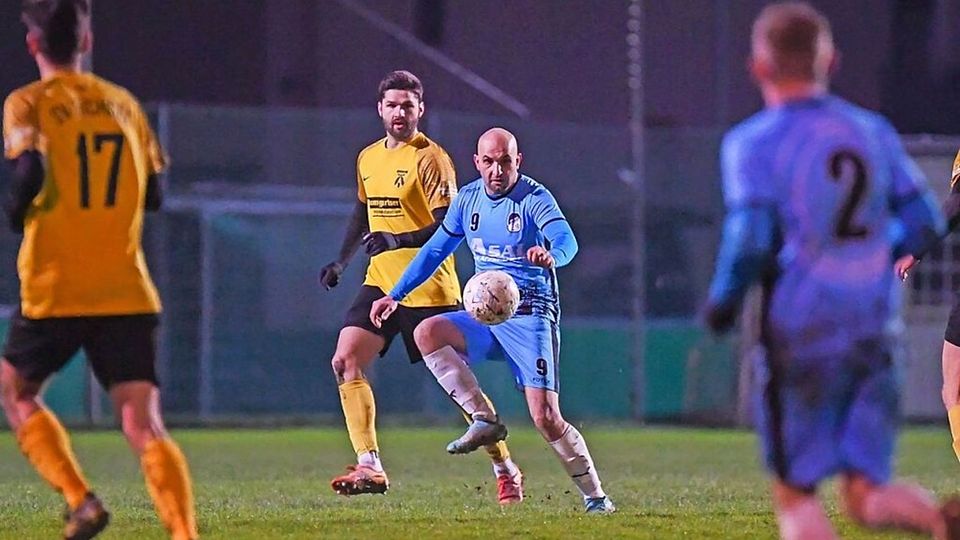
pixel 511 223
pixel 821 197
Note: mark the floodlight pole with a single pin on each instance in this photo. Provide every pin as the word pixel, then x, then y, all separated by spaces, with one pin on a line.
pixel 635 16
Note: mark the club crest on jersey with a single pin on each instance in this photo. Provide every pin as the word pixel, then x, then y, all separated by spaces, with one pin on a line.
pixel 401 174
pixel 514 223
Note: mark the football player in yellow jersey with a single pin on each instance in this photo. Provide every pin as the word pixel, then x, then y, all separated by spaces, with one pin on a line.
pixel 405 183
pixel 85 165
pixel 951 339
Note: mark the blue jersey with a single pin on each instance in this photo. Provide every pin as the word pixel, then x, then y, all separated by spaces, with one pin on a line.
pixel 499 231
pixel 820 194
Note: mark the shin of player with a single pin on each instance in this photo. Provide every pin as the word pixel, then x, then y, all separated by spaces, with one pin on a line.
pixel 507 220
pixel 83 280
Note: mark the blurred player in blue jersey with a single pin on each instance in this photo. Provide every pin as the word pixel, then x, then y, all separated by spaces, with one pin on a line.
pixel 821 197
pixel 511 223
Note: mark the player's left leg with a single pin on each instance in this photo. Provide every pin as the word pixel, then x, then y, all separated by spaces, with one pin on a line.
pixel 867 445
pixel 898 505
pixel 531 345
pixel 164 466
pixel 122 353
pixel 569 446
pixel 951 373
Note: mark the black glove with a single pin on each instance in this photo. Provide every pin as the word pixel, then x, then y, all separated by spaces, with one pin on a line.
pixel 376 243
pixel 330 275
pixel 719 318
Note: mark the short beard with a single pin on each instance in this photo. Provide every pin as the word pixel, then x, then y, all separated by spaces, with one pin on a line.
pixel 403 135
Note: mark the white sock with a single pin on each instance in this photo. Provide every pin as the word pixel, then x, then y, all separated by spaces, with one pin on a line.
pixel 805 520
pixel 370 459
pixel 459 382
pixel 505 467
pixel 576 460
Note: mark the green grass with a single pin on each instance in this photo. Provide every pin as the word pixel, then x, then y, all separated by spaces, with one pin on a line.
pixel 667 483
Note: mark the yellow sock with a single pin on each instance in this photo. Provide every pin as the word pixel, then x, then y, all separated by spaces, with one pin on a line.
pixel 168 481
pixel 953 415
pixel 360 412
pixel 46 444
pixel 498 452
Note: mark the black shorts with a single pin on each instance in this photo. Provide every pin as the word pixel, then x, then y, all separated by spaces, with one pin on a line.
pixel 952 333
pixel 403 321
pixel 119 348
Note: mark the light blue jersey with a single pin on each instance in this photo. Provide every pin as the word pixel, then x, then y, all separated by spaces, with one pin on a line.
pixel 826 190
pixel 499 231
pixel 821 196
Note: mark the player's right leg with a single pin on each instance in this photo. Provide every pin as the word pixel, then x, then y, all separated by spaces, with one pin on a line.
pixel 443 341
pixel 356 350
pixel 800 516
pixel 35 350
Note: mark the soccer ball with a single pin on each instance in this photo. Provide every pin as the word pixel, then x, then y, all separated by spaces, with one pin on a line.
pixel 491 297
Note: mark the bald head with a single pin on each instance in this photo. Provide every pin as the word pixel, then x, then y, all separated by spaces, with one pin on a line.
pixel 497 137
pixel 498 161
pixel 792 41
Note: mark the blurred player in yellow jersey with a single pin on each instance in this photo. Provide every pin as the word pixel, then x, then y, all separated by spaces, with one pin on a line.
pixel 85 165
pixel 951 338
pixel 405 183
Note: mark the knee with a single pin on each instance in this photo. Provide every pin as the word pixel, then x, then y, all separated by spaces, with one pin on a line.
pixel 140 432
pixel 428 335
pixel 346 367
pixel 14 388
pixel 949 396
pixel 549 422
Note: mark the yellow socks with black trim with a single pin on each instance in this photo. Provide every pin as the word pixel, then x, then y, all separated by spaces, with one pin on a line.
pixel 47 446
pixel 953 415
pixel 168 481
pixel 360 412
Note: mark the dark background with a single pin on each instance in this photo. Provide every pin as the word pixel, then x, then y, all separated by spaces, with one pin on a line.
pixel 564 60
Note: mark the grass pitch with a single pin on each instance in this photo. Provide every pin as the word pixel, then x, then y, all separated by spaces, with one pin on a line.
pixel 667 483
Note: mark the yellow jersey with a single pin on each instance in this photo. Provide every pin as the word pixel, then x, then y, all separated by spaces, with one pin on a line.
pixel 81 252
pixel 401 187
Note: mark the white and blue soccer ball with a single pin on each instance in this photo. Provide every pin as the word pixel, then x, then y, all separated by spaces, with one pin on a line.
pixel 491 297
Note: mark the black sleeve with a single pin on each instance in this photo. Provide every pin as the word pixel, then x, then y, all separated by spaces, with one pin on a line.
pixel 419 237
pixel 28 176
pixel 356 228
pixel 154 197
pixel 951 210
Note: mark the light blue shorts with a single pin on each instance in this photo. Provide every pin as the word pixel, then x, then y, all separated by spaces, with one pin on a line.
pixel 530 344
